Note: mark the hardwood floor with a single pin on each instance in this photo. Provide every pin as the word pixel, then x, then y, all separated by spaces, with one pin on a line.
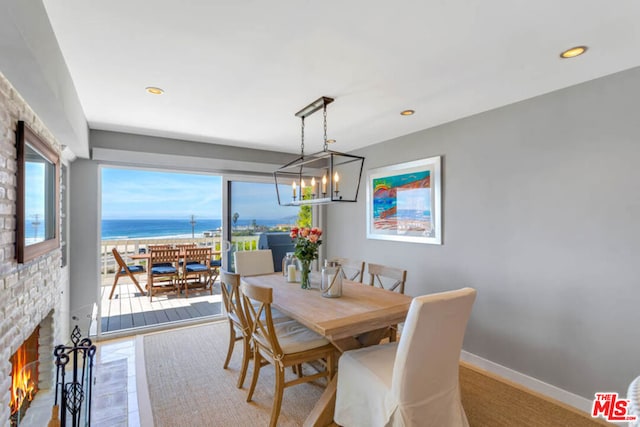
pixel 129 309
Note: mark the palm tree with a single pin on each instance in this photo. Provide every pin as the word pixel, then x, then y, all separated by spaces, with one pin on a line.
pixel 235 218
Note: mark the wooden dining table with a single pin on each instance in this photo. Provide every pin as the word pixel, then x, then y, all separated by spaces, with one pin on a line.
pixel 359 318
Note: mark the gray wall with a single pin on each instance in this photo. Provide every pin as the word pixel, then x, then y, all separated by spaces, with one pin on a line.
pixel 541 209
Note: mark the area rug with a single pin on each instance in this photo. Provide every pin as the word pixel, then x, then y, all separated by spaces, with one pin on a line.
pixel 188 387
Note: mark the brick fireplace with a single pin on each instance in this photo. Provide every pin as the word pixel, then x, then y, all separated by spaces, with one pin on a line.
pixel 31 294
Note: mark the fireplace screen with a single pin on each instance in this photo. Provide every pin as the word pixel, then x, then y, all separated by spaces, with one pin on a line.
pixel 24 377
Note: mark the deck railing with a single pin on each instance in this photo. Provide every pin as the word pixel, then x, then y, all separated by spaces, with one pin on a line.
pixel 134 246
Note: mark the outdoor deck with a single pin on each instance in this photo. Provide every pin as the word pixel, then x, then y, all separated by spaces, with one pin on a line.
pixel 129 309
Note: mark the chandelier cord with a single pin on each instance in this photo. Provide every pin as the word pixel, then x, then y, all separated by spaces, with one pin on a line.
pixel 324 113
pixel 302 139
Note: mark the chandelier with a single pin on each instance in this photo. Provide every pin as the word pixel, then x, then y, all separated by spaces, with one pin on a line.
pixel 324 177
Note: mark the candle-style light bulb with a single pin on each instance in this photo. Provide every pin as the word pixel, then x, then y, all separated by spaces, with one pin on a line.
pixel 302 185
pixel 336 178
pixel 294 189
pixel 313 186
pixel 324 184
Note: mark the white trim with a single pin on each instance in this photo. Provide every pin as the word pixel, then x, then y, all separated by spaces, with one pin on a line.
pixel 142 388
pixel 578 402
pixel 190 163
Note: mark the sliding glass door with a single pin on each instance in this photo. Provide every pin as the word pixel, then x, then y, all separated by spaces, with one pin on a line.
pixel 256 221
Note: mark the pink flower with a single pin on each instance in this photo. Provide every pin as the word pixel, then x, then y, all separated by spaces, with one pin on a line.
pixel 294 232
pixel 313 238
pixel 304 232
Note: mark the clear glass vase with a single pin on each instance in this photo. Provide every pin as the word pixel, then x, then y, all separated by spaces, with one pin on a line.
pixel 305 276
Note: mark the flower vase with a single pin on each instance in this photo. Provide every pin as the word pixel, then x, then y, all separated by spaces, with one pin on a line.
pixel 305 278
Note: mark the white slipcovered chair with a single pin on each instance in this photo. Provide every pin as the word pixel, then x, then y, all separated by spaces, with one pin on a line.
pixel 254 263
pixel 412 382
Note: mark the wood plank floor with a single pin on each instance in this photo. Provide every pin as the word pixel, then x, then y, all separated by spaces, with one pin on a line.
pixel 129 309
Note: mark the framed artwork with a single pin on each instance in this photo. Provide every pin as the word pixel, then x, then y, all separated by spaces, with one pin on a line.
pixel 403 202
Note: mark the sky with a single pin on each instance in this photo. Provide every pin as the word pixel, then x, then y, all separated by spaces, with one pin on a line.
pixel 143 194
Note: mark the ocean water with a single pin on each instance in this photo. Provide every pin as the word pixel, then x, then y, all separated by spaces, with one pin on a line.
pixel 142 228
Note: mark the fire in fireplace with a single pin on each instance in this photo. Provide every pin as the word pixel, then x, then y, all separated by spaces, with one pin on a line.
pixel 24 376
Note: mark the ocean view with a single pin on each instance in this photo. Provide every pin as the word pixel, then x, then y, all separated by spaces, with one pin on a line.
pixel 142 228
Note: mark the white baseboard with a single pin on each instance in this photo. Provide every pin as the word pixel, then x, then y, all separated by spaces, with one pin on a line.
pixel 578 402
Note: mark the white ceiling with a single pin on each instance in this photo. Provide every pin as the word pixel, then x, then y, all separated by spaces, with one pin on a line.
pixel 235 72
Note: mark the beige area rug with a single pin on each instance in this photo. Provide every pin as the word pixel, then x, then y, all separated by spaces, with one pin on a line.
pixel 188 387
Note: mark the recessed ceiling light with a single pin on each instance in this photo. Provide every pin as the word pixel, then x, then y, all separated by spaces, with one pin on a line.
pixel 331 141
pixel 573 52
pixel 407 112
pixel 154 90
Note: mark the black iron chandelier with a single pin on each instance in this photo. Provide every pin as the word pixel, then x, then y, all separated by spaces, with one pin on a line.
pixel 324 177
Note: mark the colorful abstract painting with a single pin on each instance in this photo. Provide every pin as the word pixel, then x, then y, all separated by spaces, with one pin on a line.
pixel 403 201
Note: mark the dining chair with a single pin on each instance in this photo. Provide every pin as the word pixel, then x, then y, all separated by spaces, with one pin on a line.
pixel 253 263
pixel 391 279
pixel 183 246
pixel 238 324
pixel 351 269
pixel 125 270
pixel 163 275
pixel 195 269
pixel 156 248
pixel 413 381
pixel 284 344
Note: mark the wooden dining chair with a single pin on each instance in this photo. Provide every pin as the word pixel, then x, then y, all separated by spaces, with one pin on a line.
pixel 284 344
pixel 238 324
pixel 391 279
pixel 413 381
pixel 183 246
pixel 351 269
pixel 253 263
pixel 156 248
pixel 162 275
pixel 125 270
pixel 195 269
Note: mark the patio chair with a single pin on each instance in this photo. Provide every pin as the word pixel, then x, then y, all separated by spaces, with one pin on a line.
pixel 284 344
pixel 162 276
pixel 125 270
pixel 156 248
pixel 195 268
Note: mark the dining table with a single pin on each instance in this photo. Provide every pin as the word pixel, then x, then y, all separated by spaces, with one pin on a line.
pixel 359 318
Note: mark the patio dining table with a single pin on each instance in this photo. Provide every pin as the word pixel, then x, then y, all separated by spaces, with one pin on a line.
pixel 359 318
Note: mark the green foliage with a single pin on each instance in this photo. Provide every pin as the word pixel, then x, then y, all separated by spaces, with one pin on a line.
pixel 305 250
pixel 304 215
